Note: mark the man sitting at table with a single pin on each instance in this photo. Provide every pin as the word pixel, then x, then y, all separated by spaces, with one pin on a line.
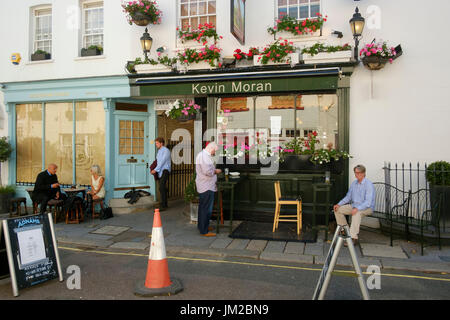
pixel 47 187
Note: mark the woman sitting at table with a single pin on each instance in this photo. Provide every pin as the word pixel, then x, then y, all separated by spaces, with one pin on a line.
pixel 97 183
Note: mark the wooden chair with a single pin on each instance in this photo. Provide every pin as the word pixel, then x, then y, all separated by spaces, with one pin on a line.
pixel 286 218
pixel 16 202
pixel 75 214
pixel 94 202
pixel 55 207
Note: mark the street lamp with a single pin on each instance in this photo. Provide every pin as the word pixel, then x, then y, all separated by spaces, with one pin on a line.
pixel 357 26
pixel 146 43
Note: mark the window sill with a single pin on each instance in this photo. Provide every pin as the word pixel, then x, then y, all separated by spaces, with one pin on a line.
pixel 89 58
pixel 40 62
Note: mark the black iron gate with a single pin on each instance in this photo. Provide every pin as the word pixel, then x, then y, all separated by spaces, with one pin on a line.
pixel 183 172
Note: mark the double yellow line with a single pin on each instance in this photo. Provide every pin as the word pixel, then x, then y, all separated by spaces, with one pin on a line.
pixel 256 264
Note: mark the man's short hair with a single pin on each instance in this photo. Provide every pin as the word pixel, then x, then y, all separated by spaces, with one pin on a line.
pixel 160 140
pixel 360 168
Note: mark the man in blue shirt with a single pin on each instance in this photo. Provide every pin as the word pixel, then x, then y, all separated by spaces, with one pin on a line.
pixel 163 165
pixel 359 202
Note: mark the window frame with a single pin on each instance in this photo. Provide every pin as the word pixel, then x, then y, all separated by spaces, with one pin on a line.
pixel 34 19
pixel 83 29
pixel 180 25
pixel 298 5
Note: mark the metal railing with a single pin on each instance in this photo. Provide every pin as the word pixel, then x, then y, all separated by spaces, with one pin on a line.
pixel 181 174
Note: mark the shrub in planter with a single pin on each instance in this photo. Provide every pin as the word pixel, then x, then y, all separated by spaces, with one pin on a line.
pixel 438 176
pixel 209 54
pixel 91 51
pixel 40 55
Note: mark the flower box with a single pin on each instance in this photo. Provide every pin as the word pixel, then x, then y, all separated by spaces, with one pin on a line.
pixel 151 68
pixel 40 56
pixel 194 43
pixel 298 37
pixel 195 66
pixel 244 63
pixel 325 57
pixel 292 58
pixel 90 52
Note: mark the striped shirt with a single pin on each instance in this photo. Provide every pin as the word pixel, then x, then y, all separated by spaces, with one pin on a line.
pixel 360 195
pixel 206 172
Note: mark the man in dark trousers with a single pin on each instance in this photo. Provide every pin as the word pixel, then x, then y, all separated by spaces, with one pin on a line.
pixel 163 166
pixel 46 187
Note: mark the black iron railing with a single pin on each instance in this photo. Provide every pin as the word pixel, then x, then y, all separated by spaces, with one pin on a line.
pixel 181 174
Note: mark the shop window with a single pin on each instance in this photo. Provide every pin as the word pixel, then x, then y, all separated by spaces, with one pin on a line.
pixel 42 29
pixel 58 130
pixel 92 24
pixel 195 12
pixel 298 9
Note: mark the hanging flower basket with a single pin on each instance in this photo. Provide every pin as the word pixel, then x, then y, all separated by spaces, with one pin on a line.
pixel 375 55
pixel 142 13
pixel 140 19
pixel 183 110
pixel 374 62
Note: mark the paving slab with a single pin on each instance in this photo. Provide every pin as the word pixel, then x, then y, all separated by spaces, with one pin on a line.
pixel 240 244
pixel 381 250
pixel 275 246
pixel 221 243
pixel 286 257
pixel 111 230
pixel 315 249
pixel 130 245
pixel 257 245
pixel 295 247
pixel 85 242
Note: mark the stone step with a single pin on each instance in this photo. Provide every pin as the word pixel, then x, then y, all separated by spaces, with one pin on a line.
pixel 121 205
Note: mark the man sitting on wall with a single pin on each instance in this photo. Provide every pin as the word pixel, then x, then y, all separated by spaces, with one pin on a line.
pixel 359 202
pixel 46 187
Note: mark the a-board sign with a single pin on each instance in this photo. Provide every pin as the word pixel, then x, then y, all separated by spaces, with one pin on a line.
pixel 4 269
pixel 32 251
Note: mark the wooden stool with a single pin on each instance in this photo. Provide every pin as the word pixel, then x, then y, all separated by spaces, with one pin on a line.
pixel 75 214
pixel 16 202
pixel 286 217
pixel 55 207
pixel 94 202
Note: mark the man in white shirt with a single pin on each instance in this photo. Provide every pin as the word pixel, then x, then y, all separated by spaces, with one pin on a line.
pixel 205 181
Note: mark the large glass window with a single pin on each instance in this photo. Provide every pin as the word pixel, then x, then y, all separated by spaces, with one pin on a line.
pixel 54 135
pixel 195 12
pixel 298 9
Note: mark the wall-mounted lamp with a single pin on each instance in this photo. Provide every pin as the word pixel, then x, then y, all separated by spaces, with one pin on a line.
pixel 146 43
pixel 357 25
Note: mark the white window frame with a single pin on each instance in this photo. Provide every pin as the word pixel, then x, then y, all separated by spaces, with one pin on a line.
pixel 35 11
pixel 189 16
pixel 84 35
pixel 298 5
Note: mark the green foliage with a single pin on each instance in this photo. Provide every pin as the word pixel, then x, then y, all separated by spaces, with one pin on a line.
pixel 7 189
pixel 94 47
pixel 277 52
pixel 294 26
pixel 211 54
pixel 438 173
pixel 190 192
pixel 5 149
pixel 319 47
pixel 201 35
pixel 40 52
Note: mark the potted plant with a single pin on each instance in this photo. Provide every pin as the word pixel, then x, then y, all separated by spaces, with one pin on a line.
pixel 162 64
pixel 40 55
pixel 205 34
pixel 142 12
pixel 205 58
pixel 279 52
pixel 375 55
pixel 6 192
pixel 321 53
pixel 244 59
pixel 438 177
pixel 183 110
pixel 289 27
pixel 93 50
pixel 191 197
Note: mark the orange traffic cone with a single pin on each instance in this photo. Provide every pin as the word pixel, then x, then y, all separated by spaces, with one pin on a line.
pixel 157 281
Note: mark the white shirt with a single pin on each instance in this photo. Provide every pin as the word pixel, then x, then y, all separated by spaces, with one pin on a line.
pixel 206 172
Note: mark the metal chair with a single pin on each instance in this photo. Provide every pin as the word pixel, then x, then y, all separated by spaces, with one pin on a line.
pixel 289 217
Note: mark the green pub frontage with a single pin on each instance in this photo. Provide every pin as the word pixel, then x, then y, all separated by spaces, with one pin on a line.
pixel 276 103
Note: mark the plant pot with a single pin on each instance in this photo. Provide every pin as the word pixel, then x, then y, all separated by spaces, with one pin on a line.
pixel 90 52
pixel 435 192
pixel 296 162
pixel 374 62
pixel 40 56
pixel 292 58
pixel 184 118
pixel 140 19
pixel 5 201
pixel 244 63
pixel 151 68
pixel 194 211
pixel 327 57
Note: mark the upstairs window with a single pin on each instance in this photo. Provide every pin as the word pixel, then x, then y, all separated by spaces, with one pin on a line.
pixel 42 19
pixel 195 12
pixel 298 9
pixel 92 22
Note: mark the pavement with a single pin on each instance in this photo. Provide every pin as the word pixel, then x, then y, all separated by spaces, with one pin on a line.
pixel 132 233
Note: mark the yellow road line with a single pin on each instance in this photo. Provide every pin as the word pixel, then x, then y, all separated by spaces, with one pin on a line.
pixel 253 264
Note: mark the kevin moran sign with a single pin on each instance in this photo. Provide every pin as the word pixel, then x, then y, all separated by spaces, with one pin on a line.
pixel 239 87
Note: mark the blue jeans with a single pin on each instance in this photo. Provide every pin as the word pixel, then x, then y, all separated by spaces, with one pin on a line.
pixel 205 206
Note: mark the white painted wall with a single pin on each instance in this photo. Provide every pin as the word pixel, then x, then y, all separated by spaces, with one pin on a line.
pixel 406 119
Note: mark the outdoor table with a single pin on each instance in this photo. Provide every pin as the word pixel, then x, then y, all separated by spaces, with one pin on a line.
pixel 226 184
pixel 73 191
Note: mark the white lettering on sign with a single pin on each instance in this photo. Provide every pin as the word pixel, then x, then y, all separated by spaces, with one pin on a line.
pixel 235 87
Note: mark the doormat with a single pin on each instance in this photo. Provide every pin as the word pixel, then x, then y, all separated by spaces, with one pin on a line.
pixel 263 231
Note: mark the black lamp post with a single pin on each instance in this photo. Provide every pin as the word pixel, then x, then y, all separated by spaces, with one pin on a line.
pixel 357 25
pixel 146 43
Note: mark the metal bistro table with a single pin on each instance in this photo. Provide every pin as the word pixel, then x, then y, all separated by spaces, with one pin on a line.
pixel 226 184
pixel 73 191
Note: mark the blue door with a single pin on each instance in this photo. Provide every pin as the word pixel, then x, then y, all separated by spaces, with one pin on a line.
pixel 132 158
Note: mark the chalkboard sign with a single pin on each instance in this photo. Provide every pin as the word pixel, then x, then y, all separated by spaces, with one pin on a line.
pixel 32 251
pixel 4 269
